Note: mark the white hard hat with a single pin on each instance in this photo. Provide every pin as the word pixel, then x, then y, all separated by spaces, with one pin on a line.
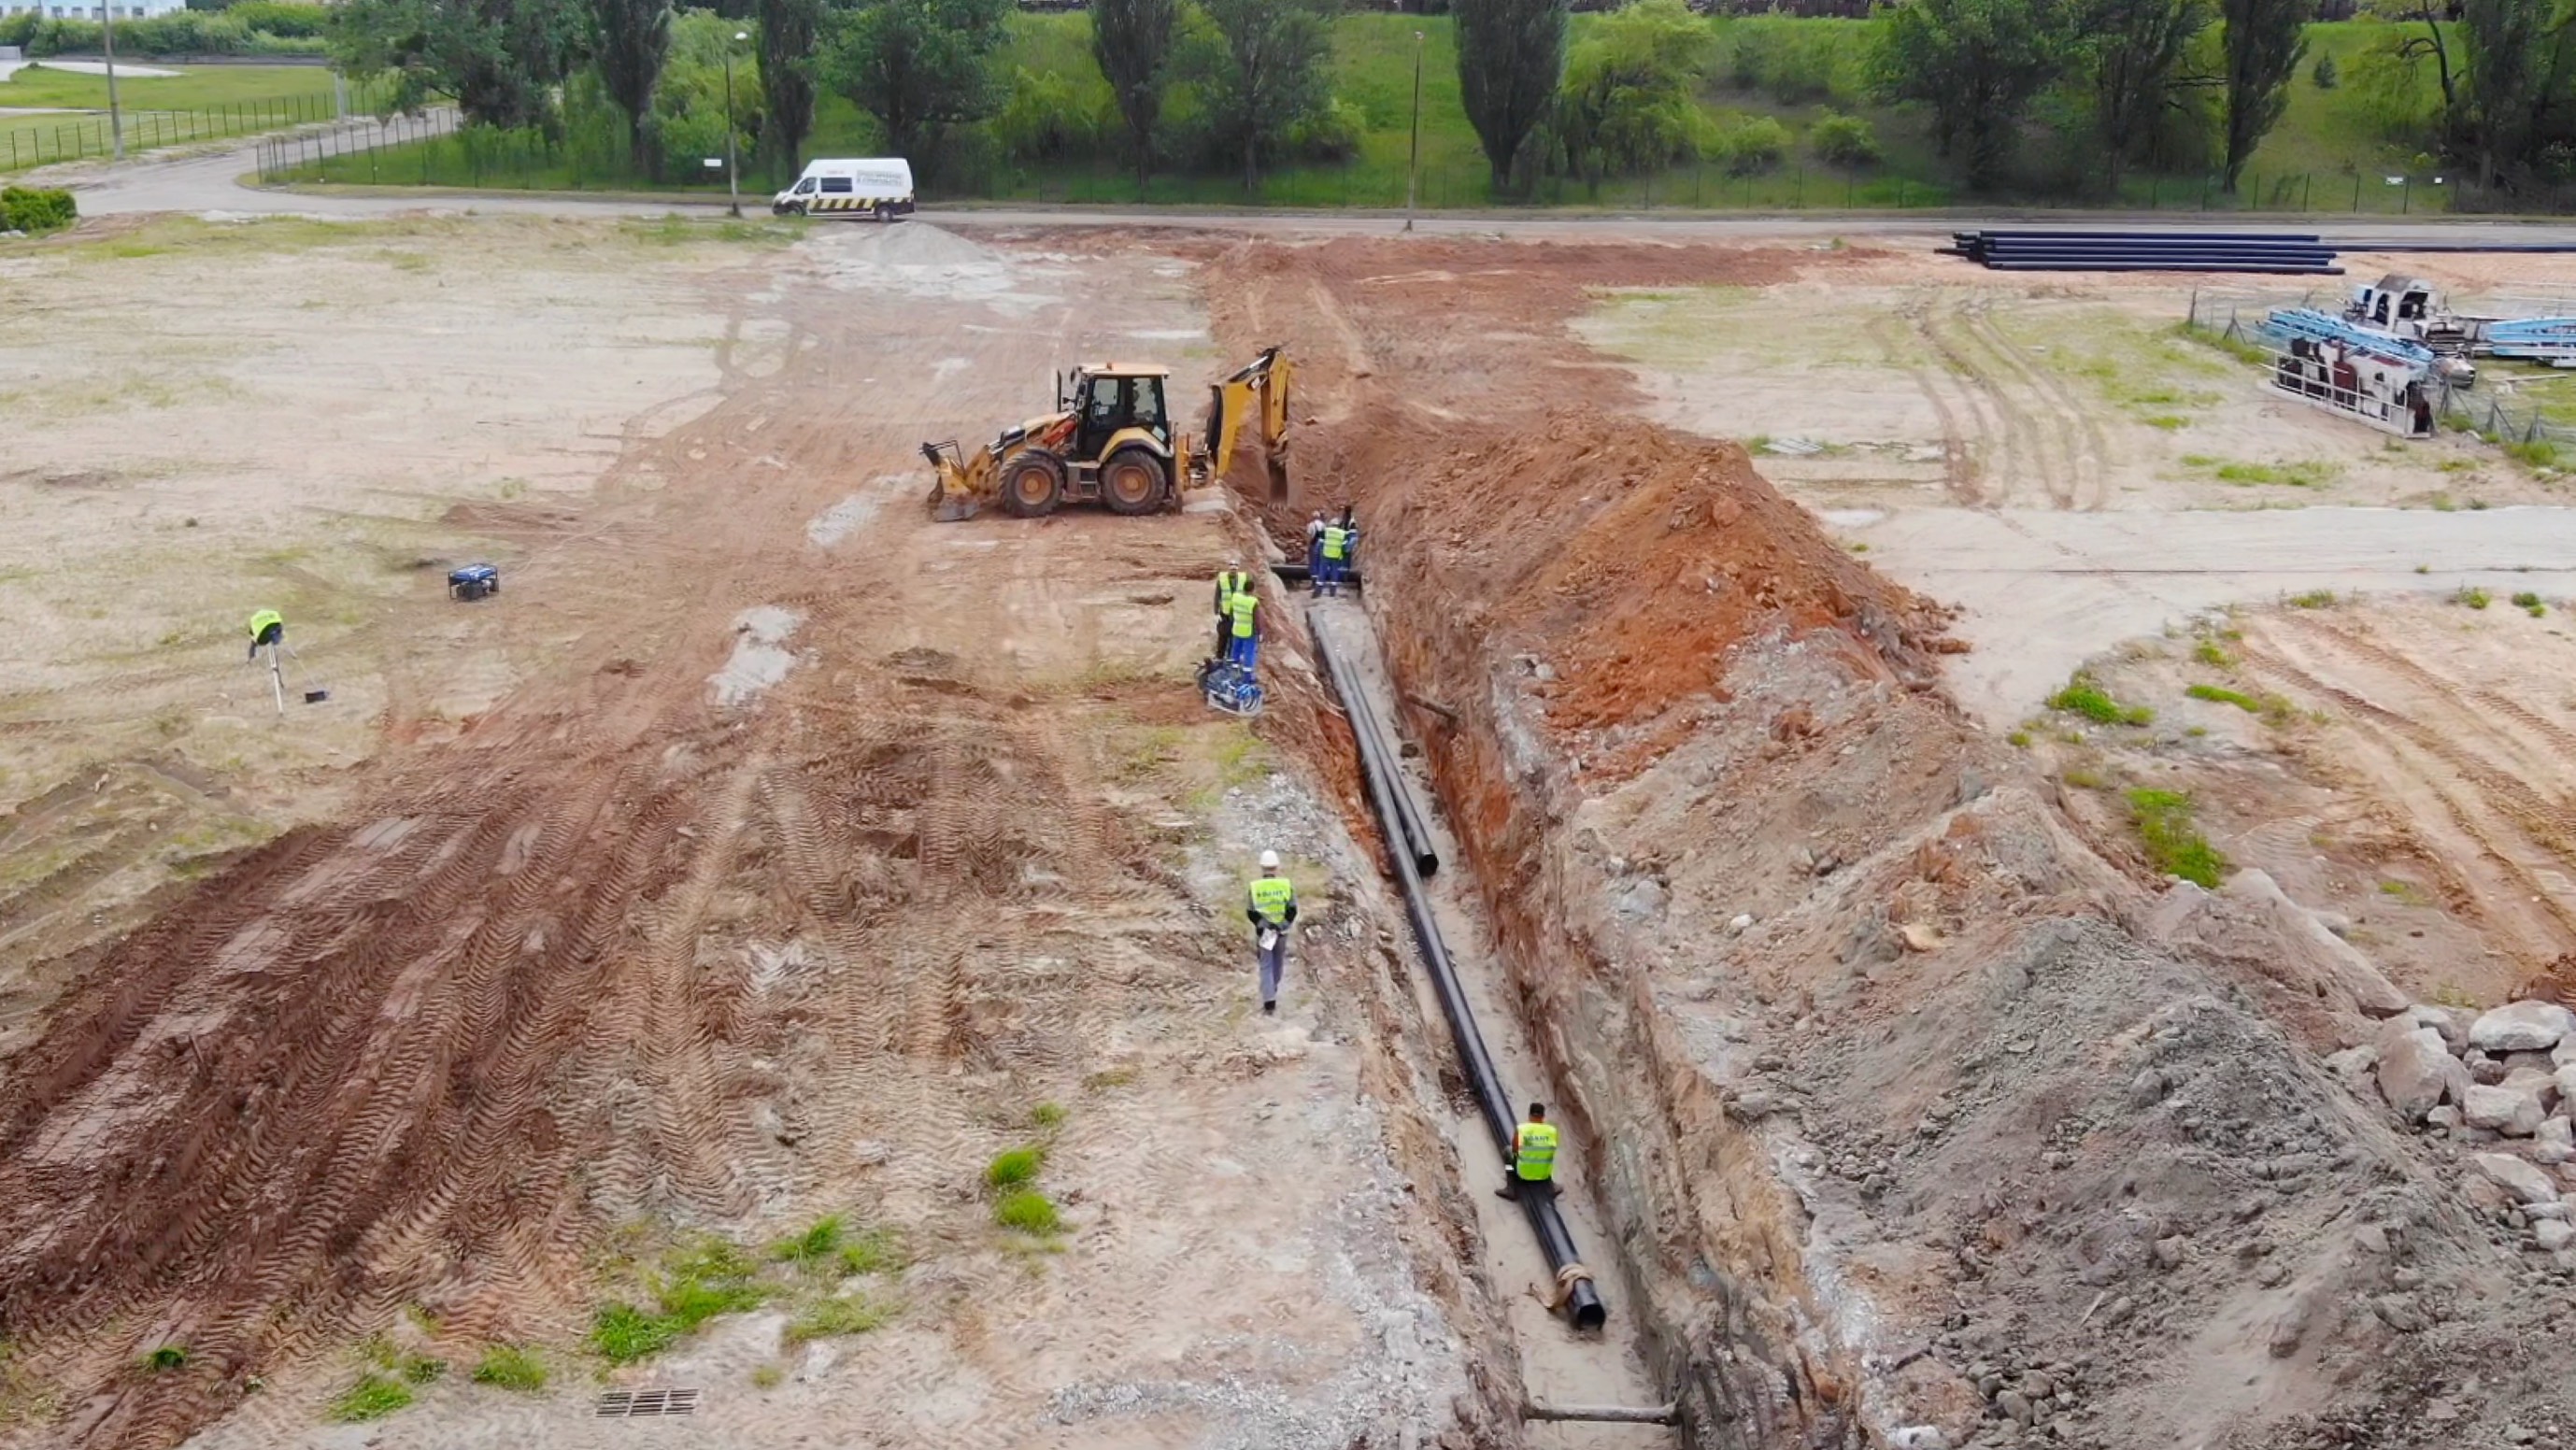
pixel 1269 860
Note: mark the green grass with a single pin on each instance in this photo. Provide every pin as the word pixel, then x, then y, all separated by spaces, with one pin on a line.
pixel 815 1245
pixel 192 88
pixel 876 1251
pixel 2164 822
pixel 1028 1211
pixel 1013 1168
pixel 767 1376
pixel 2313 599
pixel 2473 597
pixel 698 1281
pixel 373 1397
pixel 1047 1117
pixel 205 104
pixel 2284 475
pixel 2211 652
pixel 510 1367
pixel 2221 695
pixel 2082 696
pixel 828 1318
pixel 166 1358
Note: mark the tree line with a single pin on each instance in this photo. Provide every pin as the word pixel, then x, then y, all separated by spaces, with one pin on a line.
pixel 1247 84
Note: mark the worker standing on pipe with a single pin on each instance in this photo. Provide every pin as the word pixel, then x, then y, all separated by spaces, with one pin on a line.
pixel 1272 912
pixel 1243 640
pixel 1230 581
pixel 1533 1166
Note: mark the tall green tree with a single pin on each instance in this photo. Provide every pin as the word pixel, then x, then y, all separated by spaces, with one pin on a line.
pixel 1977 64
pixel 1262 71
pixel 919 67
pixel 1629 101
pixel 500 61
pixel 2135 60
pixel 1511 58
pixel 629 40
pixel 1132 40
pixel 2265 41
pixel 789 32
pixel 2517 101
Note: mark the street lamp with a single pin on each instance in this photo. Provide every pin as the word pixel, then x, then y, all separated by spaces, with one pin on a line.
pixel 107 37
pixel 733 189
pixel 1413 165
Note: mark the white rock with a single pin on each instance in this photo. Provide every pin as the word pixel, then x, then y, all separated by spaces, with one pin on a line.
pixel 1742 921
pixel 1919 1437
pixel 2553 1234
pixel 2416 1071
pixel 2452 1026
pixel 2565 1052
pixel 2522 1027
pixel 2532 1080
pixel 2502 1110
pixel 2558 1131
pixel 2520 1180
pixel 2566 1081
pixel 2550 1155
pixel 2352 1066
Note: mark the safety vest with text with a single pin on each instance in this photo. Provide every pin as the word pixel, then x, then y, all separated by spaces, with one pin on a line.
pixel 1535 1160
pixel 1337 541
pixel 1241 607
pixel 1271 896
pixel 261 622
pixel 1229 583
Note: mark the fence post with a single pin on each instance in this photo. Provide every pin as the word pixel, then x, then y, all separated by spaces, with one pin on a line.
pixel 2356 193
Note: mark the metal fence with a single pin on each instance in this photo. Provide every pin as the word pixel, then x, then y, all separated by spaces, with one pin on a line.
pixel 2493 409
pixel 43 140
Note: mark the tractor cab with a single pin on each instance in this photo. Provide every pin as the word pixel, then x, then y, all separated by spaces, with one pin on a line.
pixel 1110 398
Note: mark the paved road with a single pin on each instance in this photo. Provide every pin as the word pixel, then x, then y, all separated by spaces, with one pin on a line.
pixel 213 184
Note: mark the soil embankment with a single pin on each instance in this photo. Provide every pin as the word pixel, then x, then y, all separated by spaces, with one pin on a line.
pixel 1909 1110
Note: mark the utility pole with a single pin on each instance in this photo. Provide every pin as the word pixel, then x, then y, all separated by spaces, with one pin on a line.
pixel 1413 164
pixel 115 116
pixel 733 189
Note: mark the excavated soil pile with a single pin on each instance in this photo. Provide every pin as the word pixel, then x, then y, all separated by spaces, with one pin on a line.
pixel 1917 1119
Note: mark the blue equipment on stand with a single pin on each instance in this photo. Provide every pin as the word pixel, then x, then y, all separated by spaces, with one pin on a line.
pixel 1230 687
pixel 474 581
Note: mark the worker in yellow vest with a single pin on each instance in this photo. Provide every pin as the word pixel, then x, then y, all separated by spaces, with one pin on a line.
pixel 1337 551
pixel 1272 911
pixel 1533 1165
pixel 1243 634
pixel 1230 581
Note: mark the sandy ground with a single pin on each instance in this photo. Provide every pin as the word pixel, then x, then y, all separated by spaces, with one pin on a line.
pixel 763 852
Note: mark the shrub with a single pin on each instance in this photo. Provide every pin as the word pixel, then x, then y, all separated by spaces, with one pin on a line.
pixel 1329 133
pixel 623 1334
pixel 2325 74
pixel 1752 146
pixel 2474 597
pixel 1027 1210
pixel 280 17
pixel 36 210
pixel 2084 697
pixel 509 1367
pixel 1843 140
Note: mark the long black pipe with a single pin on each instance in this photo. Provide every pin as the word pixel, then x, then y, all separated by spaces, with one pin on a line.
pixel 1299 574
pixel 1408 812
pixel 1583 1304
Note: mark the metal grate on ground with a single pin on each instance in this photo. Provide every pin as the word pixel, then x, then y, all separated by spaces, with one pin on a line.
pixel 644 1404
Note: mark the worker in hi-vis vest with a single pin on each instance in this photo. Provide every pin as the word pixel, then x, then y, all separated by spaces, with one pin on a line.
pixel 1230 581
pixel 1273 910
pixel 1243 638
pixel 1533 1165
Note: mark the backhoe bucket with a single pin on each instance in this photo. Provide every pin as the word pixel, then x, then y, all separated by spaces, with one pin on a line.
pixel 952 496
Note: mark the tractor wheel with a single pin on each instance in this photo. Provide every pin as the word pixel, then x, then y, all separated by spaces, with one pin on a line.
pixel 1132 481
pixel 1032 484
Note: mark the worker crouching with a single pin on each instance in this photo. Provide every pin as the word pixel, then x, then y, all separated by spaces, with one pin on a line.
pixel 1532 1170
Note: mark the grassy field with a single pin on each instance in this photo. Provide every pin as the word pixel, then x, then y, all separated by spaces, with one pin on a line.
pixel 2327 156
pixel 201 104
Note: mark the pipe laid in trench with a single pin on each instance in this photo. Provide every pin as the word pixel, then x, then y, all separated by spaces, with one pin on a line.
pixel 1300 574
pixel 1408 812
pixel 1377 763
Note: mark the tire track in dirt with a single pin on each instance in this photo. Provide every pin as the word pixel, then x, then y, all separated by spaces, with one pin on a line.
pixel 2076 432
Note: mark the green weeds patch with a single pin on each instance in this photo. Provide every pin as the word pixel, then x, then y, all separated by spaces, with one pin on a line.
pixel 827 1318
pixel 509 1367
pixel 1027 1211
pixel 373 1397
pixel 2082 696
pixel 2164 822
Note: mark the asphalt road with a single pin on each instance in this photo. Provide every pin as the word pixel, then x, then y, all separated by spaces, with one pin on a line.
pixel 213 183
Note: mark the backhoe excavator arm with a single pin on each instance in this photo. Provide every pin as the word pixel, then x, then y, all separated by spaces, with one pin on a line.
pixel 1256 395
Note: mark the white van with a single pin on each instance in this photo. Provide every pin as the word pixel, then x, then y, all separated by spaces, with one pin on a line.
pixel 879 187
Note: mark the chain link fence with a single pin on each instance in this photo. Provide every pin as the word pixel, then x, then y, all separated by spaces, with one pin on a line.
pixel 2500 408
pixel 28 141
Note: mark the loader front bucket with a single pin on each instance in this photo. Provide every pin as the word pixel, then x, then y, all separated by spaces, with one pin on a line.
pixel 952 497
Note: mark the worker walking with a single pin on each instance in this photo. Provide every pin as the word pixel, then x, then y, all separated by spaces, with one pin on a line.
pixel 1533 1166
pixel 267 627
pixel 1272 911
pixel 1337 548
pixel 1230 581
pixel 1243 639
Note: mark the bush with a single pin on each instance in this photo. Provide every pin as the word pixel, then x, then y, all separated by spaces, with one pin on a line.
pixel 1051 115
pixel 1751 146
pixel 2325 75
pixel 280 17
pixel 1331 133
pixel 511 1368
pixel 36 210
pixel 1014 1168
pixel 1842 140
pixel 1792 60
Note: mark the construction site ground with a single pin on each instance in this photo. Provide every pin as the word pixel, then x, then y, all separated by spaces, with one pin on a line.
pixel 766 854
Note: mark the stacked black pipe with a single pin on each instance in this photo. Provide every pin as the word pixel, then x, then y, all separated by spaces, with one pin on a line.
pixel 2278 253
pixel 1385 783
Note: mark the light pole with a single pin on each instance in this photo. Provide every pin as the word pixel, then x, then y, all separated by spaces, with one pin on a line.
pixel 1413 165
pixel 107 38
pixel 733 189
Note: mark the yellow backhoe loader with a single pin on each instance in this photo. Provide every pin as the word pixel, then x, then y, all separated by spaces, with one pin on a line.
pixel 1111 440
